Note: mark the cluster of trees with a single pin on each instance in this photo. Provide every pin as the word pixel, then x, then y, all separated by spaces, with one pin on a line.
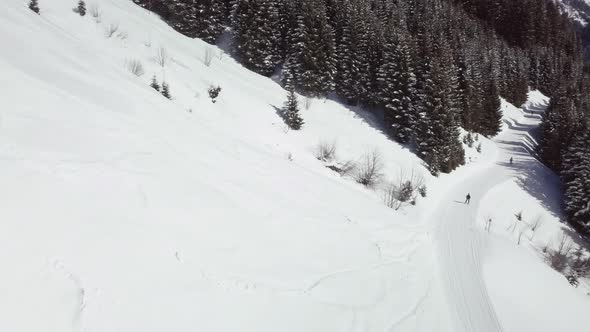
pixel 431 66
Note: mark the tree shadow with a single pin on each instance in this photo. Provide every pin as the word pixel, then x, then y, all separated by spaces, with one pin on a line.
pixel 534 177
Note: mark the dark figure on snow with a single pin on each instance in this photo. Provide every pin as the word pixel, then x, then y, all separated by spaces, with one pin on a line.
pixel 510 160
pixel 468 198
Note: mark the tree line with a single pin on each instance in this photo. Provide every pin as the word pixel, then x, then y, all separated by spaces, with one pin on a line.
pixel 431 66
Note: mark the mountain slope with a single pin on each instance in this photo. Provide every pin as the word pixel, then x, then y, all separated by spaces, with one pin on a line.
pixel 125 211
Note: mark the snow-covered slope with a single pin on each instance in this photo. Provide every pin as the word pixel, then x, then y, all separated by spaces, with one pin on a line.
pixel 125 211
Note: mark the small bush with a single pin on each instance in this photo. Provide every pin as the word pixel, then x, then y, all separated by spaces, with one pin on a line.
pixel 135 67
pixel 112 28
pixel 558 259
pixel 325 151
pixel 214 93
pixel 518 216
pixel 478 148
pixel 422 190
pixel 369 172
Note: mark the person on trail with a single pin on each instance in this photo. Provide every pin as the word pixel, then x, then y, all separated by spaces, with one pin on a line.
pixel 467 198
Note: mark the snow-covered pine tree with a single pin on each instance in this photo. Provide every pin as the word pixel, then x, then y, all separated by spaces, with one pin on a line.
pixel 166 90
pixel 257 40
pixel 313 50
pixel 492 111
pixel 154 84
pixel 81 8
pixel 397 87
pixel 290 112
pixel 352 52
pixel 575 177
pixel 197 18
pixel 34 6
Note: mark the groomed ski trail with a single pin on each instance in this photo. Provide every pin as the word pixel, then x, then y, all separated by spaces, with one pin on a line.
pixel 459 242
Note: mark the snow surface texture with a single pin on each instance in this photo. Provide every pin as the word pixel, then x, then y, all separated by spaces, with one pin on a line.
pixel 125 211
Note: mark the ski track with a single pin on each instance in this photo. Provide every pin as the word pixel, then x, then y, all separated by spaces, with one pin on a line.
pixel 459 242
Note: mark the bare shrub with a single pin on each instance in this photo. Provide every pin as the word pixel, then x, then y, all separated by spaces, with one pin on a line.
pixel 369 172
pixel 390 196
pixel 478 148
pixel 96 13
pixel 535 225
pixel 135 67
pixel 162 56
pixel 518 216
pixel 111 29
pixel 404 190
pixel 208 57
pixel 325 151
pixel 558 258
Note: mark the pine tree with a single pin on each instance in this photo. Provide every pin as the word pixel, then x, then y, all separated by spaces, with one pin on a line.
pixel 257 40
pixel 290 112
pixel 155 84
pixel 492 116
pixel 352 54
pixel 81 8
pixel 166 90
pixel 576 181
pixel 398 88
pixel 197 18
pixel 313 57
pixel 34 6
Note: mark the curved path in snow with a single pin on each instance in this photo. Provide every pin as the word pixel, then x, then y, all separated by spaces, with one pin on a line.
pixel 458 242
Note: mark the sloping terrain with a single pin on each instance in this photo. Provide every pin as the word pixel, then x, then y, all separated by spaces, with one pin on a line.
pixel 125 211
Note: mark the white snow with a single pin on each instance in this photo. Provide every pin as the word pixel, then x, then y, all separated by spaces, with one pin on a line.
pixel 124 211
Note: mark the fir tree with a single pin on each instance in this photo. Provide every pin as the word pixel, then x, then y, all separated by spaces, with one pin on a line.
pixel 313 58
pixel 576 181
pixel 34 6
pixel 290 112
pixel 257 40
pixel 397 84
pixel 81 8
pixel 166 90
pixel 155 84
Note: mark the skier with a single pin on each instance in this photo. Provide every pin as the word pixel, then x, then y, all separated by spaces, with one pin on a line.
pixel 467 198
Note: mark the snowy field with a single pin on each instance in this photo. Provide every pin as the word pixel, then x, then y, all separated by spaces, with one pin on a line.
pixel 125 211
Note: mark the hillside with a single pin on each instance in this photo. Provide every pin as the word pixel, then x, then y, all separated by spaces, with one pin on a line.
pixel 127 211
